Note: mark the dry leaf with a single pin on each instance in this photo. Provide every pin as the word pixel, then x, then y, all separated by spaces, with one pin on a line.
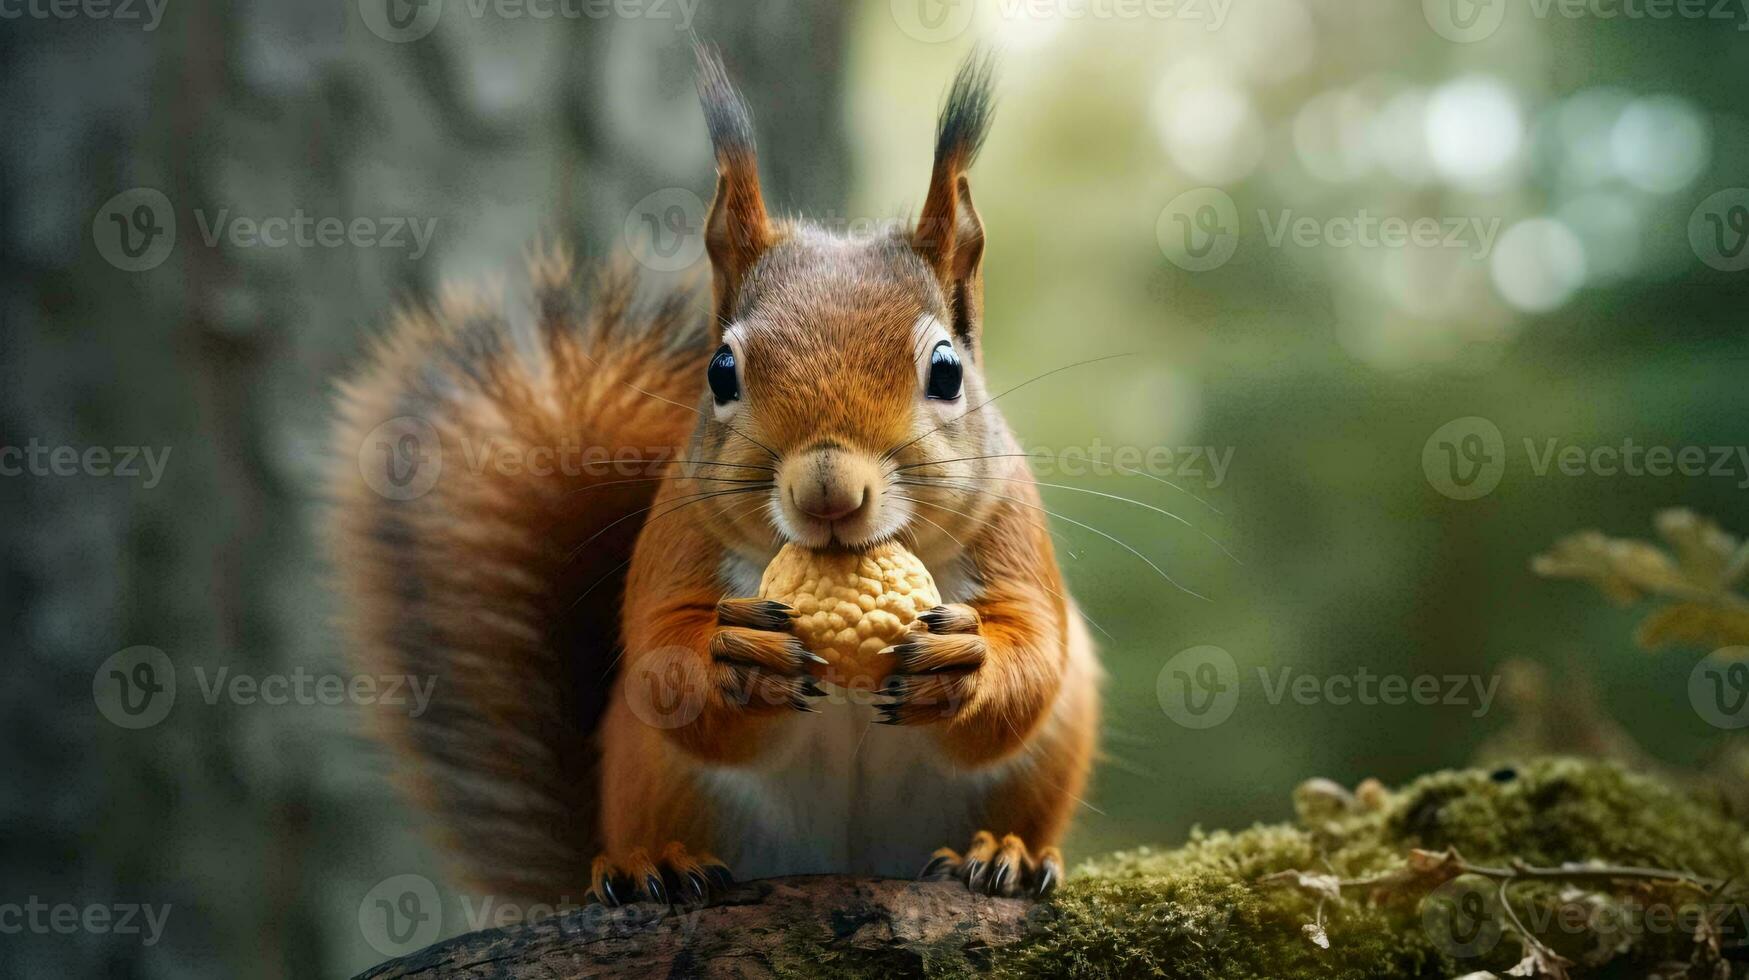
pixel 1694 624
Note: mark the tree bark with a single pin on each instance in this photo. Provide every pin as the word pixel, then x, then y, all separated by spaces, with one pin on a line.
pixel 779 926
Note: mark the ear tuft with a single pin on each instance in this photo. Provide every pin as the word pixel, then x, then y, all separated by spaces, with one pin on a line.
pixel 966 113
pixel 725 112
pixel 737 230
pixel 949 235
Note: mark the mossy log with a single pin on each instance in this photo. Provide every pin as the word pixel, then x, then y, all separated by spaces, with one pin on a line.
pixel 1204 911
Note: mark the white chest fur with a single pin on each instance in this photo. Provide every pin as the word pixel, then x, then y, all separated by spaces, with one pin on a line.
pixel 840 793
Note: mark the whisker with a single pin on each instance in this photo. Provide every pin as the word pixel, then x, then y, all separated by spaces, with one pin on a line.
pixel 1114 496
pixel 962 416
pixel 1036 576
pixel 696 499
pixel 712 462
pixel 1115 465
pixel 663 398
pixel 659 479
pixel 692 498
pixel 1024 503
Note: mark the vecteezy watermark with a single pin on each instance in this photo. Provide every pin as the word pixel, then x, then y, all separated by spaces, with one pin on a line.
pixel 406 912
pixel 400 914
pixel 935 21
pixel 300 230
pixel 1474 235
pixel 1462 917
pixel 1465 918
pixel 135 688
pixel 1200 229
pixel 1467 21
pixel 664 231
pixel 403 458
pixel 1363 687
pixel 37 917
pixel 1718 230
pixel 136 230
pixel 1200 687
pixel 400 21
pixel 1465 459
pixel 1718 687
pixel 36 458
pixel 146 13
pixel 1206 465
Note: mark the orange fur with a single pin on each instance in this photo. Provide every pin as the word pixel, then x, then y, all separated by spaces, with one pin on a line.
pixel 603 719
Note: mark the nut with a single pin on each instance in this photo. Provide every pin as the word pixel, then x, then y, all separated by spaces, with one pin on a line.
pixel 851 605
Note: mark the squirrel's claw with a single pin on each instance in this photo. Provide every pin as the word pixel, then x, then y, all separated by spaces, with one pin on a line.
pixel 676 877
pixel 761 668
pixel 756 614
pixel 1002 868
pixel 934 673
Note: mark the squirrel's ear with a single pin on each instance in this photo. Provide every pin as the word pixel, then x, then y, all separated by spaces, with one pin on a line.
pixel 949 234
pixel 737 230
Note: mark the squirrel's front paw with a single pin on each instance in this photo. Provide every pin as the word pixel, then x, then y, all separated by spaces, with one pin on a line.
pixel 936 668
pixel 758 663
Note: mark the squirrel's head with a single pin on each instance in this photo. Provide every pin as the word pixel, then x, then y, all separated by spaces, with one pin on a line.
pixel 847 368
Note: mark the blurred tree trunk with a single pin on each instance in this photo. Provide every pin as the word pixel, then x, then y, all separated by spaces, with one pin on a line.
pixel 498 130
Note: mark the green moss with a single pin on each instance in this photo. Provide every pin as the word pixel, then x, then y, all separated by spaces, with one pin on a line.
pixel 1198 912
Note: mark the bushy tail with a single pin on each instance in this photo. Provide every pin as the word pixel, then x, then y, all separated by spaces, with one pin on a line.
pixel 479 545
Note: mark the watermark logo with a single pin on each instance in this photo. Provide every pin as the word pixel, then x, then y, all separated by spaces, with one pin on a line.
pixel 1206 465
pixel 1199 687
pixel 1462 917
pixel 666 688
pixel 115 11
pixel 135 688
pixel 135 230
pixel 1199 229
pixel 1718 687
pixel 1718 230
pixel 402 21
pixel 35 916
pixel 401 914
pixel 665 230
pixel 1464 21
pixel 932 21
pixel 1465 458
pixel 302 230
pixel 401 459
pixel 1363 229
pixel 36 458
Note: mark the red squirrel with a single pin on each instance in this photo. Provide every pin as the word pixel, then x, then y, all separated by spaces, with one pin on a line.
pixel 832 396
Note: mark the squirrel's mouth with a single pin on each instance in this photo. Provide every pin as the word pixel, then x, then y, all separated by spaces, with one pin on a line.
pixel 850 532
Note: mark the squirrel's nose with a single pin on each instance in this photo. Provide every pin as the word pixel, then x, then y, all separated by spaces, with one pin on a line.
pixel 829 501
pixel 830 483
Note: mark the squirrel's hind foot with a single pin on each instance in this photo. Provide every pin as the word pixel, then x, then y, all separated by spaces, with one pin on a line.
pixel 1003 868
pixel 675 877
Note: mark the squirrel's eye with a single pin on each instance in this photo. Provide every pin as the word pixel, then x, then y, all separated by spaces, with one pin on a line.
pixel 725 387
pixel 944 373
